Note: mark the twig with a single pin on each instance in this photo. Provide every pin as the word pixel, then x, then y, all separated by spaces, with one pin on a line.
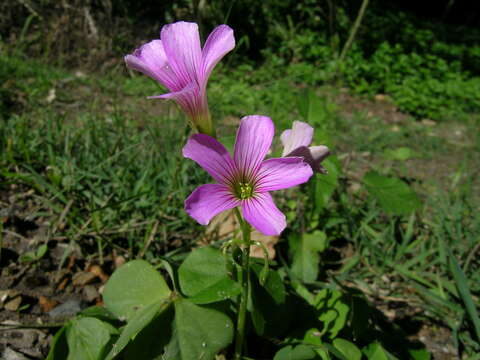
pixel 355 27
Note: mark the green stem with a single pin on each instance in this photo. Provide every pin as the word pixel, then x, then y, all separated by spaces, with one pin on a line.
pixel 354 30
pixel 244 279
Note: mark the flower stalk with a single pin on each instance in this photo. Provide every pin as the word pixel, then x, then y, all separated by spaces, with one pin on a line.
pixel 244 280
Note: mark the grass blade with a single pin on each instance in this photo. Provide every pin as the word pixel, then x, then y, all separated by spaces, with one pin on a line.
pixel 464 291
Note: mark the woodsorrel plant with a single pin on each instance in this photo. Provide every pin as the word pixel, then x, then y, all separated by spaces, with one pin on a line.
pixel 188 321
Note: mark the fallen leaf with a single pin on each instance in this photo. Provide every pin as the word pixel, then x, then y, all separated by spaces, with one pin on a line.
pixel 98 272
pixel 46 304
pixel 83 278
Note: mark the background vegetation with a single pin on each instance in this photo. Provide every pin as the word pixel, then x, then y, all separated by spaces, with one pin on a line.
pixel 91 164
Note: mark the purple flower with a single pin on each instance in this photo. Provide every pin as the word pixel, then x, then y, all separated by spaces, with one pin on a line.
pixel 246 179
pixel 296 141
pixel 179 63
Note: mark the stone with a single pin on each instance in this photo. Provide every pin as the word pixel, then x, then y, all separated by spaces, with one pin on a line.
pixel 67 310
pixel 10 354
pixel 90 293
pixel 13 304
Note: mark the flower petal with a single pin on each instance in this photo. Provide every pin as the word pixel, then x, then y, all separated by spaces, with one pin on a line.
pixel 219 42
pixel 181 42
pixel 313 156
pixel 261 212
pixel 151 60
pixel 187 98
pixel 210 155
pixel 285 136
pixel 300 135
pixel 282 173
pixel 254 137
pixel 208 200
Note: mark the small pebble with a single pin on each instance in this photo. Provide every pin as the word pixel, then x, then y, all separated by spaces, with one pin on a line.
pixel 67 309
pixel 90 293
pixel 10 354
pixel 14 304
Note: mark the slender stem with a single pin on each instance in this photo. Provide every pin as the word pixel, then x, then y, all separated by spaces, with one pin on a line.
pixel 354 30
pixel 244 279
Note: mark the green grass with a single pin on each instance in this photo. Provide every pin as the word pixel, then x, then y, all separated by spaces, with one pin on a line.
pixel 106 165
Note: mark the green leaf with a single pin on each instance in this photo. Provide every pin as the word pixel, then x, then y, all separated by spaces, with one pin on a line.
pixel 132 287
pixel 332 311
pixel 204 279
pixel 312 336
pixel 200 332
pixel 268 308
pixel 326 184
pixel 87 338
pixel 393 195
pixel 59 346
pixel 42 249
pixel 375 351
pixel 419 354
pixel 139 320
pixel 299 352
pixel 401 153
pixel 151 341
pixel 100 313
pixel 273 284
pixel 348 349
pixel 464 291
pixel 305 249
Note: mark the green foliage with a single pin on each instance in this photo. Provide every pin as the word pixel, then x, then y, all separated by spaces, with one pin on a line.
pixel 299 352
pixel 32 256
pixel 332 311
pixel 375 351
pixel 394 195
pixel 465 294
pixel 133 287
pixel 305 251
pixel 425 85
pixel 347 348
pixel 200 332
pixel 187 331
pixel 268 302
pixel 87 338
pixel 204 278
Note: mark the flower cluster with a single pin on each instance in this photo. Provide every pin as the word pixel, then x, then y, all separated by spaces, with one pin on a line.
pixel 245 180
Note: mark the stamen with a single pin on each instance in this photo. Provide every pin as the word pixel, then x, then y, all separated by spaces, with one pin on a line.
pixel 243 190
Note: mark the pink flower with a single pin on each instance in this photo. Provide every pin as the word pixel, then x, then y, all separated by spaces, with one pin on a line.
pixel 179 63
pixel 246 179
pixel 296 141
